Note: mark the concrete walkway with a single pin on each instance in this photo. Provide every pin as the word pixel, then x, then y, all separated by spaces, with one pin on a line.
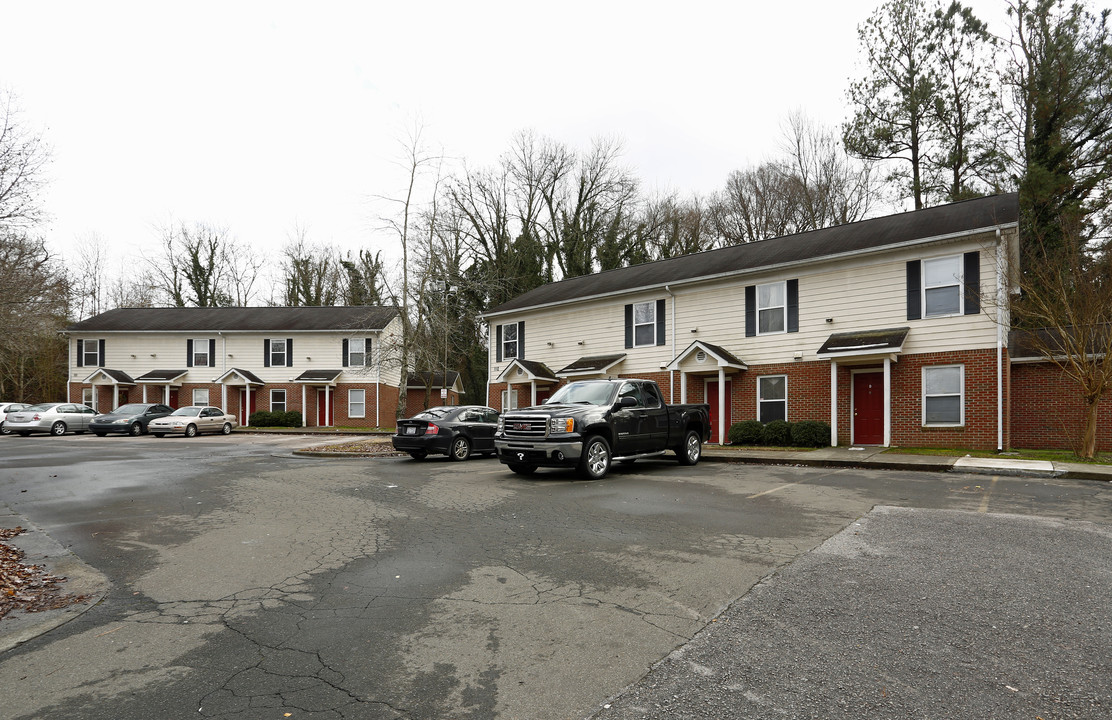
pixel 876 458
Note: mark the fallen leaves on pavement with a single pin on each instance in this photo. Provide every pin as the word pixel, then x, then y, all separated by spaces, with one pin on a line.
pixel 370 448
pixel 28 587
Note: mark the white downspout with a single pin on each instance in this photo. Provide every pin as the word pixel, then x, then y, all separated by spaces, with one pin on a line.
pixel 1000 300
pixel 672 373
pixel 488 401
pixel 378 374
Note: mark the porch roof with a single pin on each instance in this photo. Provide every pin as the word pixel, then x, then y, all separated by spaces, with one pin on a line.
pixel 591 365
pixel 533 370
pixel 724 357
pixel 160 377
pixel 318 377
pixel 115 377
pixel 249 378
pixel 864 342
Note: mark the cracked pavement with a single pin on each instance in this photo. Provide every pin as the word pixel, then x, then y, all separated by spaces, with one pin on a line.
pixel 250 584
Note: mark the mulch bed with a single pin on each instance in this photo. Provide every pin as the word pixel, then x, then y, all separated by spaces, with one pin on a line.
pixel 366 448
pixel 28 587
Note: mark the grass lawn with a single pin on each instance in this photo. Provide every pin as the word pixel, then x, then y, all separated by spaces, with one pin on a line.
pixel 1051 455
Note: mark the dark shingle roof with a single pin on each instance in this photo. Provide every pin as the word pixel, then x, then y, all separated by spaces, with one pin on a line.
pixel 872 340
pixel 118 375
pixel 160 375
pixel 591 364
pixel 955 218
pixel 318 376
pixel 238 318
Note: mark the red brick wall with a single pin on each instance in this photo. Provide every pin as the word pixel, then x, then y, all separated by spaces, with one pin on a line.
pixel 418 399
pixel 1048 412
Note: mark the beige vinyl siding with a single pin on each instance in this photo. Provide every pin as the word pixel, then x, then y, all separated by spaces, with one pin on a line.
pixel 864 293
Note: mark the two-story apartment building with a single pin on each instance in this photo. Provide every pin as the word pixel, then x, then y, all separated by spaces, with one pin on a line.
pixel 890 329
pixel 335 365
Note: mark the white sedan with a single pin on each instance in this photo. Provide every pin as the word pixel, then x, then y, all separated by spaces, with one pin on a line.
pixel 192 420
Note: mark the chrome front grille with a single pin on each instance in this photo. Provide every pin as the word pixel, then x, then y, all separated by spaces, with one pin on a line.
pixel 525 426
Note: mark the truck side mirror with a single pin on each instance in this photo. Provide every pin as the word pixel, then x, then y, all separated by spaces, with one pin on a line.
pixel 628 401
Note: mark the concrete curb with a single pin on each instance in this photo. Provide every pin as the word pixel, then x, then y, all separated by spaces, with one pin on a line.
pixel 39 548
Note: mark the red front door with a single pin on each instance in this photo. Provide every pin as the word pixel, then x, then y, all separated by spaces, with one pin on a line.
pixel 868 409
pixel 323 407
pixel 173 399
pixel 712 400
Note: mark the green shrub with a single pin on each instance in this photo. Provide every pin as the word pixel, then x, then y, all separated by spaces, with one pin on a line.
pixel 261 418
pixel 747 432
pixel 777 433
pixel 810 433
pixel 291 418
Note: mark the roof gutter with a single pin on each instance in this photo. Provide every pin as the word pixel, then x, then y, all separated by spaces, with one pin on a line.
pixel 756 270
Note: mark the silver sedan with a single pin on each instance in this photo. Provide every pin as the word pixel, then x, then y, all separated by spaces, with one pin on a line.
pixel 193 419
pixel 9 407
pixel 53 418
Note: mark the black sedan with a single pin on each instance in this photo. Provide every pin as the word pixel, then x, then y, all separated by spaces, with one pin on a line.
pixel 453 431
pixel 131 419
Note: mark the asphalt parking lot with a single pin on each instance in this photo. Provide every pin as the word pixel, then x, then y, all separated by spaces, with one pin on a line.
pixel 244 583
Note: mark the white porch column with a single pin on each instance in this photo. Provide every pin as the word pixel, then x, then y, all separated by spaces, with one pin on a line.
pixel 533 393
pixel 144 392
pixel 115 396
pixel 224 396
pixel 166 394
pixel 833 403
pixel 328 421
pixel 721 406
pixel 304 410
pixel 683 387
pixel 887 401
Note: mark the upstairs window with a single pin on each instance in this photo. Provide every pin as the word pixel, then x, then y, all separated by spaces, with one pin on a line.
pixel 644 324
pixel 511 341
pixel 199 348
pixel 772 308
pixel 942 285
pixel 357 352
pixel 91 353
pixel 277 353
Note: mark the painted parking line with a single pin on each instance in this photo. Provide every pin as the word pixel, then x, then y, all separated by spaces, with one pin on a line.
pixel 778 488
pixel 988 494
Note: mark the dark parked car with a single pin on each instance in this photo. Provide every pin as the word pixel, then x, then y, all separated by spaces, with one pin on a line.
pixel 453 431
pixel 131 419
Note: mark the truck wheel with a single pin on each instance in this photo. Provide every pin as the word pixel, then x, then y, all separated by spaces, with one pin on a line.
pixel 522 469
pixel 692 448
pixel 594 463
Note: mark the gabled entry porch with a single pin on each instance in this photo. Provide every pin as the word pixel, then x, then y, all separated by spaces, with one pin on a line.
pixel 325 383
pixel 243 382
pixel 714 365
pixel 869 355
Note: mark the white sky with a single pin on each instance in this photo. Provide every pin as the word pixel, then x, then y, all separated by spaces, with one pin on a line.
pixel 261 115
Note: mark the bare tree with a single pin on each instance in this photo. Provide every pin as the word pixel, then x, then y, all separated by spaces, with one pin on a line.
pixel 311 273
pixel 201 265
pixel 89 281
pixel 364 276
pixel 34 295
pixel 755 205
pixel 23 159
pixel 1066 312
pixel 830 188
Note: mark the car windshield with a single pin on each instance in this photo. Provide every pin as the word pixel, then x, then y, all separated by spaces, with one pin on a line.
pixel 435 413
pixel 41 408
pixel 590 393
pixel 131 409
pixel 187 411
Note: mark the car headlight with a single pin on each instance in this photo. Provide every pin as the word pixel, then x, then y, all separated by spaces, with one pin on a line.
pixel 121 421
pixel 561 425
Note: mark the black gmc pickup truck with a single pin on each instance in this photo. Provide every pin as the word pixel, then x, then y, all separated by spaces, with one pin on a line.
pixel 590 423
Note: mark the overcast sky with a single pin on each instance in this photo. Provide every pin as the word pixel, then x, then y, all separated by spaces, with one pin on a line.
pixel 261 115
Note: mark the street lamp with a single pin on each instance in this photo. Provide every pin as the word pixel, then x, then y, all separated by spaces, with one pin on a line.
pixel 448 289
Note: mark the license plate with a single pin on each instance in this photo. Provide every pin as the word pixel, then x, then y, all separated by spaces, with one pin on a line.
pixel 411 431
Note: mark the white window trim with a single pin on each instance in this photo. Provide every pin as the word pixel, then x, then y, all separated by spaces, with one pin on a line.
pixel 90 393
pixel 209 362
pixel 285 400
pixel 274 344
pixel 961 395
pixel 651 323
pixel 761 400
pixel 783 308
pixel 361 343
pixel 960 285
pixel 509 397
pixel 362 402
pixel 516 341
pixel 95 344
pixel 203 403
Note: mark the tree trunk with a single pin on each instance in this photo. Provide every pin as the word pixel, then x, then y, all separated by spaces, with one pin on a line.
pixel 1089 435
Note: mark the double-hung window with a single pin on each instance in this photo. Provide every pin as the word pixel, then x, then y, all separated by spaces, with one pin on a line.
pixel 201 355
pixel 509 341
pixel 944 395
pixel 772 308
pixel 91 353
pixel 772 398
pixel 278 352
pixel 357 352
pixel 277 401
pixel 942 286
pixel 644 324
pixel 201 395
pixel 357 403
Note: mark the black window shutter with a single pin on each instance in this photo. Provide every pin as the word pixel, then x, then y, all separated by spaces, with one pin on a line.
pixel 189 353
pixel 793 305
pixel 660 327
pixel 100 352
pixel 266 353
pixel 498 345
pixel 914 290
pixel 972 277
pixel 629 326
pixel 368 347
pixel 750 310
pixel 212 352
pixel 521 340
pixel 80 353
pixel 344 362
pixel 289 352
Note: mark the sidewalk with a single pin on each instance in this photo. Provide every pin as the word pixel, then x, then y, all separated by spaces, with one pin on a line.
pixel 877 459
